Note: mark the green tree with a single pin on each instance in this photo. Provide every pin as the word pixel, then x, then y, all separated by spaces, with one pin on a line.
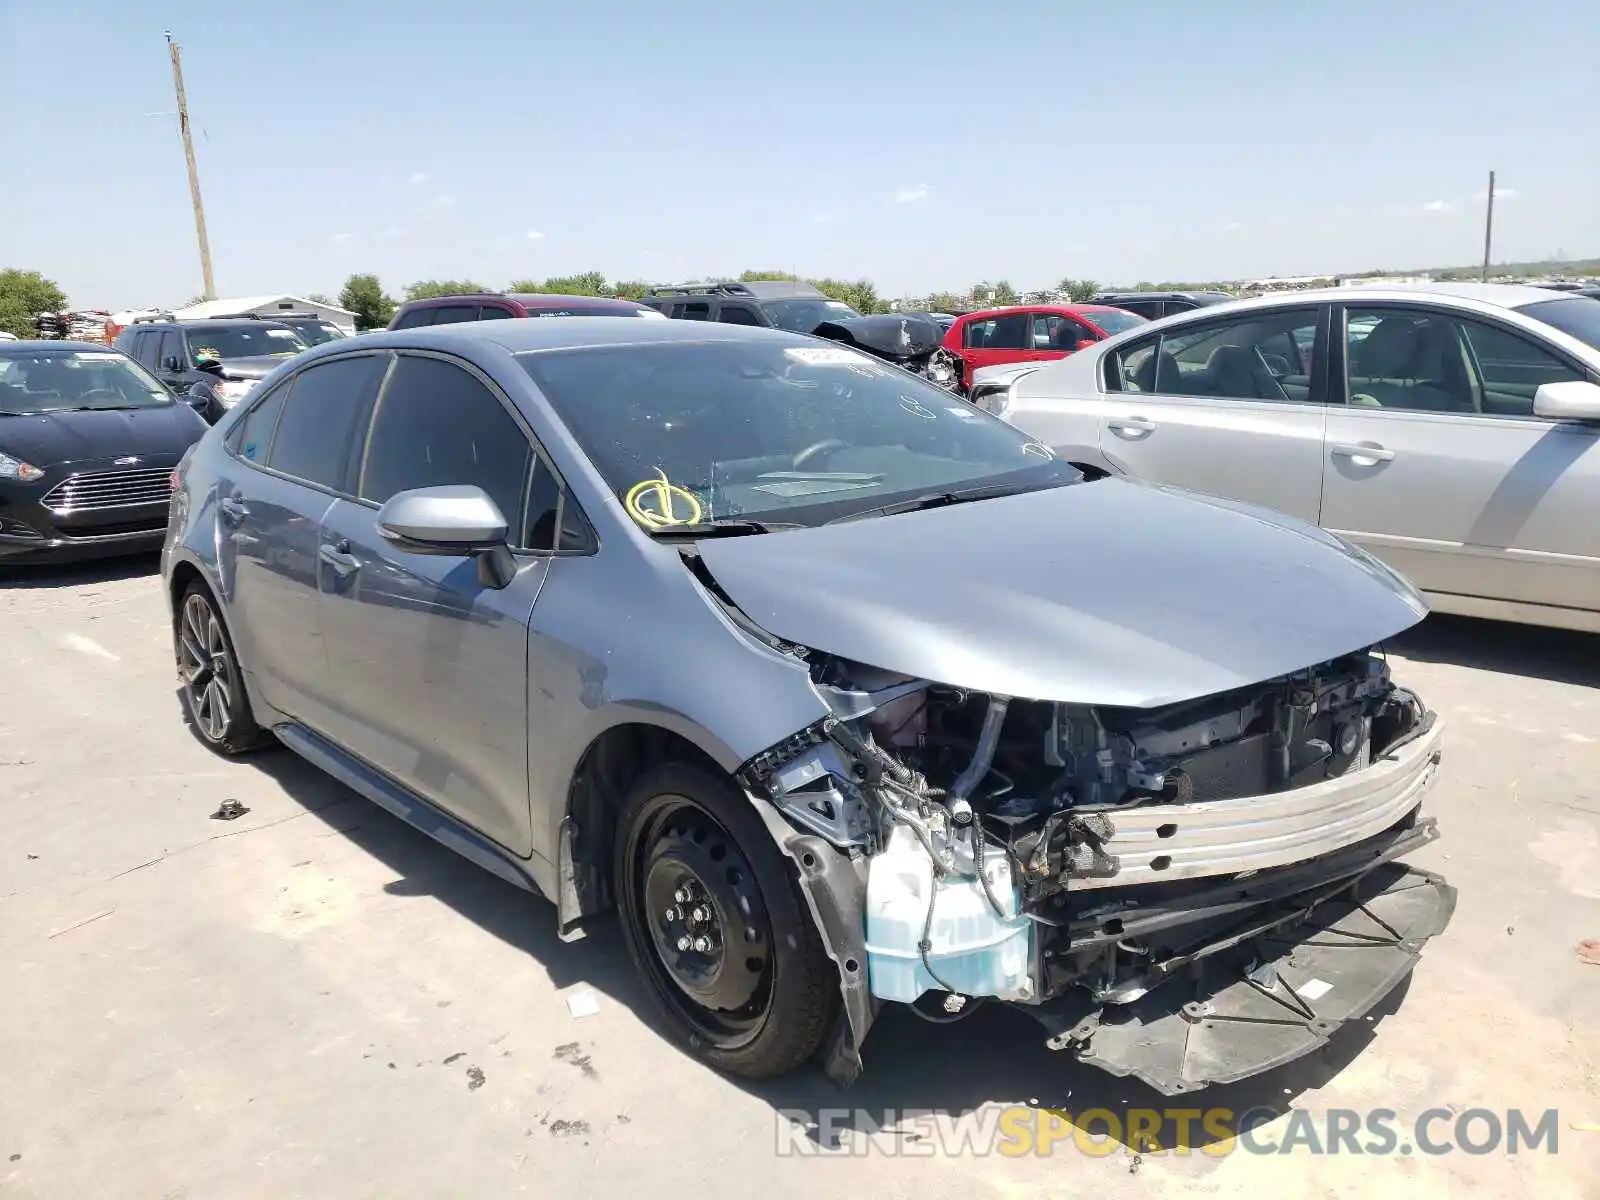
pixel 1078 290
pixel 945 302
pixel 589 283
pixel 23 296
pixel 319 298
pixel 364 296
pixel 757 276
pixel 1004 293
pixel 858 294
pixel 630 289
pixel 425 289
pixel 981 295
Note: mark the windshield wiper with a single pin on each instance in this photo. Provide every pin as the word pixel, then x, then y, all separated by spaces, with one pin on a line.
pixel 934 500
pixel 722 527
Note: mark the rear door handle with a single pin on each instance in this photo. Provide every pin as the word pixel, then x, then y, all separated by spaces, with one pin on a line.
pixel 1362 456
pixel 1131 427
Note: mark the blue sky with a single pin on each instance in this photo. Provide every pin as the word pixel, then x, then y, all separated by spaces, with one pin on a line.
pixel 924 145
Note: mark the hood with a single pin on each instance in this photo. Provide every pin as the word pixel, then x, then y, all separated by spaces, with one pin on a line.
pixel 74 436
pixel 887 336
pixel 255 367
pixel 1104 593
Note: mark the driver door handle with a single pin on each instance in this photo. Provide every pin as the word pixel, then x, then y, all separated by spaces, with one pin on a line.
pixel 1131 427
pixel 337 555
pixel 1361 455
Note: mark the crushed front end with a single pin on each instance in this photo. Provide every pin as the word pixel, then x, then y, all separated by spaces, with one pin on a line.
pixel 1190 894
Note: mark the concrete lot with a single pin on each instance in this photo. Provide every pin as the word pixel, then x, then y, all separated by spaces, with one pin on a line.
pixel 303 1002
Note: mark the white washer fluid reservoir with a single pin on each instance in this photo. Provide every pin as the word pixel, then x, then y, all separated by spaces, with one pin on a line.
pixel 973 951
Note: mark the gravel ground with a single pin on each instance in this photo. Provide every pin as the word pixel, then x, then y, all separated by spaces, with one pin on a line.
pixel 314 1000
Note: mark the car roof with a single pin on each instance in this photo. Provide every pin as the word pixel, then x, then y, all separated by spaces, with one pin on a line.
pixel 213 323
pixel 983 314
pixel 558 300
pixel 562 333
pixel 1495 295
pixel 33 346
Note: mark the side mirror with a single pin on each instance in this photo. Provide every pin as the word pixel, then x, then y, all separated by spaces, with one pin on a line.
pixel 1575 400
pixel 198 401
pixel 458 520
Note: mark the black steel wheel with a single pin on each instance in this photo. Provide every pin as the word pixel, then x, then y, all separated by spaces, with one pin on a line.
pixel 213 692
pixel 716 924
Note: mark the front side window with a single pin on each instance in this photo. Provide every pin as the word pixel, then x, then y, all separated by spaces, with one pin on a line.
pixel 170 356
pixel 325 406
pixel 47 381
pixel 787 430
pixel 738 314
pixel 693 310
pixel 437 424
pixel 1008 332
pixel 416 318
pixel 1427 361
pixel 146 345
pixel 493 312
pixel 253 439
pixel 1054 332
pixel 454 314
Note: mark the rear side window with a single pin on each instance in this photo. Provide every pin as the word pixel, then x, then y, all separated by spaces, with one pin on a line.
pixel 323 410
pixel 738 314
pixel 415 318
pixel 697 310
pixel 439 424
pixel 1009 332
pixel 253 439
pixel 454 314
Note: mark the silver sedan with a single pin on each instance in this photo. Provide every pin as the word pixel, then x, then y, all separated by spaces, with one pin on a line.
pixel 1451 430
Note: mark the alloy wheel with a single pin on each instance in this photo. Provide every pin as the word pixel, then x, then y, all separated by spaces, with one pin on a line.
pixel 206 668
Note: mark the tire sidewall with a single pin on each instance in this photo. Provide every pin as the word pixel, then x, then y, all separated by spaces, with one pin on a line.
pixel 795 945
pixel 241 730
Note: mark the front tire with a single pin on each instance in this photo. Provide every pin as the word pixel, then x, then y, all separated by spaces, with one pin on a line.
pixel 716 925
pixel 210 680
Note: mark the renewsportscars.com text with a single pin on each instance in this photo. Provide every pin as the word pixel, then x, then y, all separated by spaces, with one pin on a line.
pixel 1019 1130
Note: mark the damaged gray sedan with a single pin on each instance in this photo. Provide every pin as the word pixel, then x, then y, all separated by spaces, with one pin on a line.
pixel 838 690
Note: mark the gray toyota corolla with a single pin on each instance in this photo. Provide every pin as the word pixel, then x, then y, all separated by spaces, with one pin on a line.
pixel 839 690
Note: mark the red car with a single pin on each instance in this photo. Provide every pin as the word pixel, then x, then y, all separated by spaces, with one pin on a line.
pixel 1031 333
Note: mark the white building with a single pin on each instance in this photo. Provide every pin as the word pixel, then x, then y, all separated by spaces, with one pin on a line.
pixel 267 306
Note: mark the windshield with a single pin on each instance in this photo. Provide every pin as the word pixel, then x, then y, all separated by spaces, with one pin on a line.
pixel 44 381
pixel 802 316
pixel 1575 315
pixel 1116 321
pixel 776 429
pixel 244 341
pixel 314 333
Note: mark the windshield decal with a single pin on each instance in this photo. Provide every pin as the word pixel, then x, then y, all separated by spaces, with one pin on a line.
pixel 827 356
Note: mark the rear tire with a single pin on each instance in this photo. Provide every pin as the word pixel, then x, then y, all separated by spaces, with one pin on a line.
pixel 716 925
pixel 210 679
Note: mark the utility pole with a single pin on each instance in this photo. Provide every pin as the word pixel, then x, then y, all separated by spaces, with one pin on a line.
pixel 1488 229
pixel 194 175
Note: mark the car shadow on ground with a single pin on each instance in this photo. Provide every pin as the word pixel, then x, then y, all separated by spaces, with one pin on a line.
pixel 995 1056
pixel 54 576
pixel 1557 655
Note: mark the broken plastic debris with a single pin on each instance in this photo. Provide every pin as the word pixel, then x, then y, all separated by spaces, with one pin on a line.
pixel 474 1078
pixel 582 1004
pixel 1589 951
pixel 229 810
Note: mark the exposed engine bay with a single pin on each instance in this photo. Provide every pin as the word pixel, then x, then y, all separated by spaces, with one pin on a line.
pixel 1075 858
